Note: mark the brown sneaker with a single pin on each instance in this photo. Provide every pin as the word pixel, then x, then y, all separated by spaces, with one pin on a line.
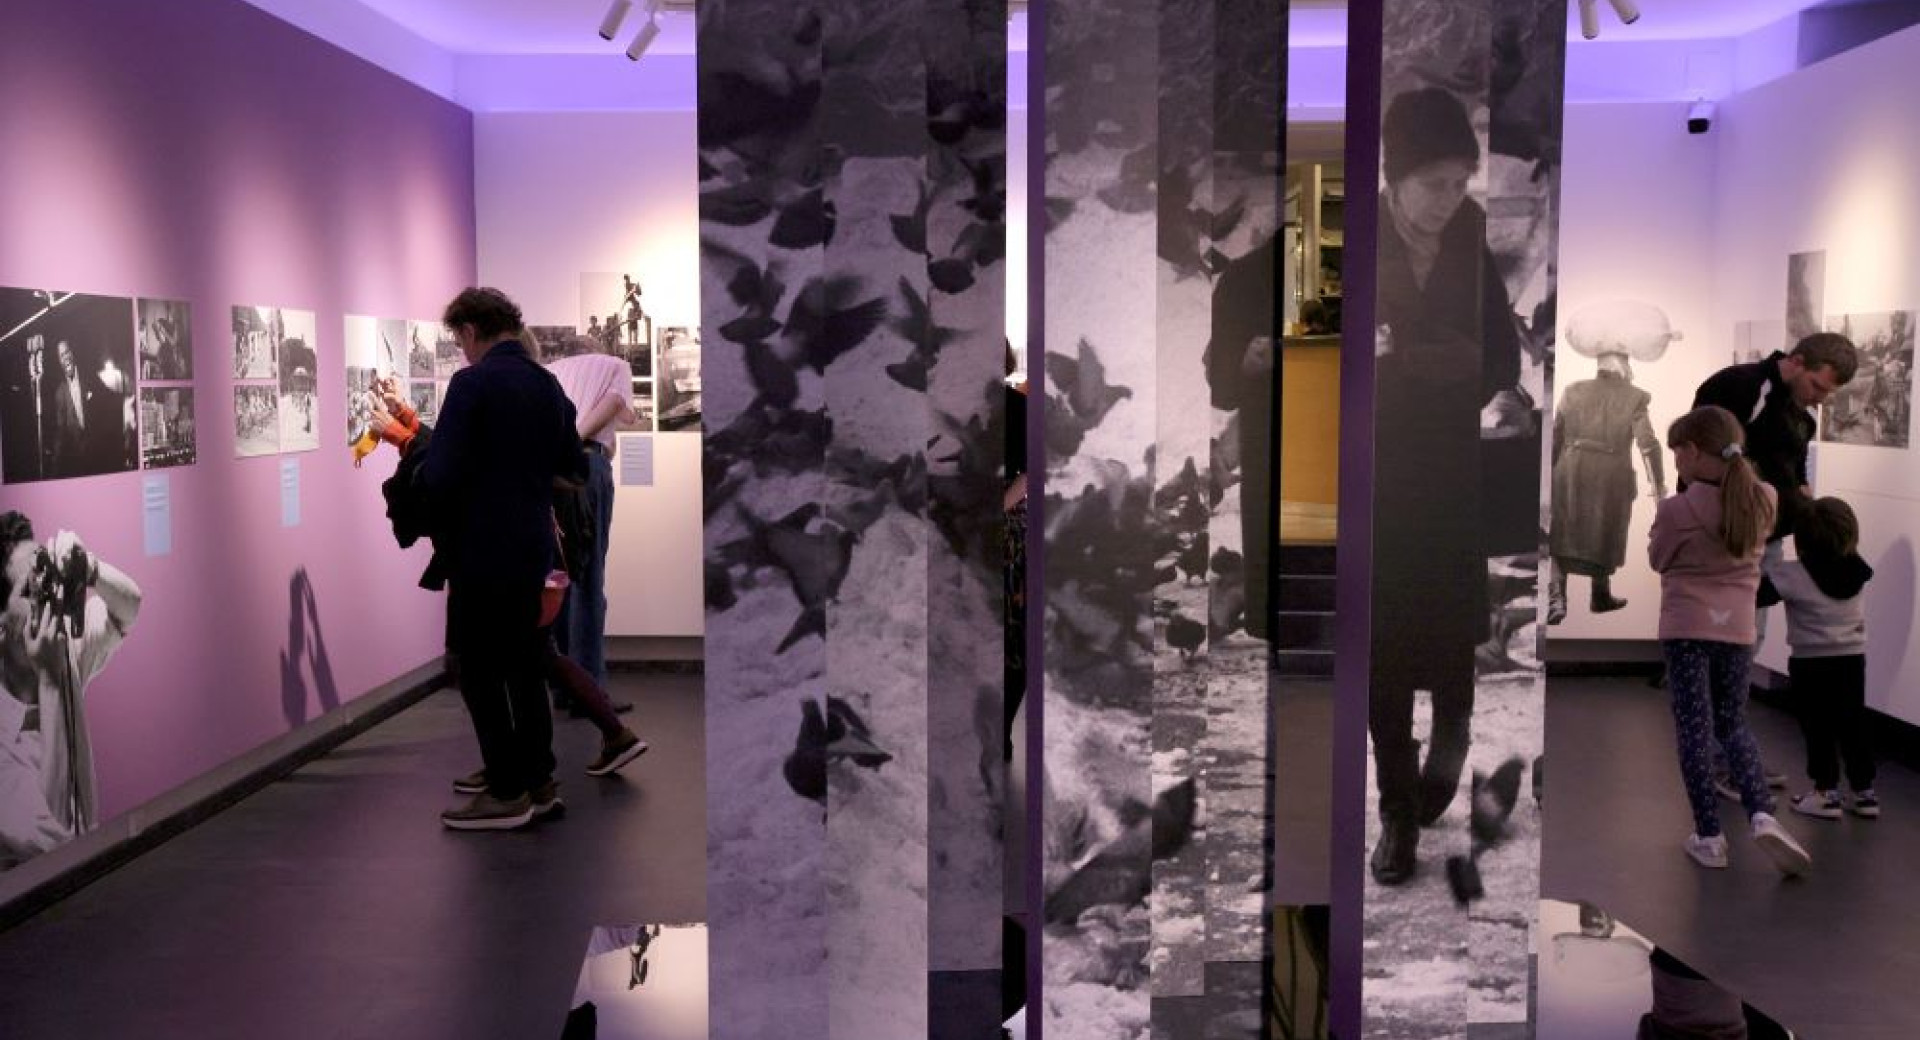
pixel 487 813
pixel 473 783
pixel 615 754
pixel 546 801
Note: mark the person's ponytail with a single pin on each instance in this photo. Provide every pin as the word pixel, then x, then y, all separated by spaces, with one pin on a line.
pixel 1746 509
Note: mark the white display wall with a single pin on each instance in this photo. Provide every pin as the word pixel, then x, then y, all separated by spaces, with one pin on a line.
pixel 1637 224
pixel 1829 159
pixel 1822 160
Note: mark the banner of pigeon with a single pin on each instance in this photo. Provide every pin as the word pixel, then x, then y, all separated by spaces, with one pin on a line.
pixel 852 202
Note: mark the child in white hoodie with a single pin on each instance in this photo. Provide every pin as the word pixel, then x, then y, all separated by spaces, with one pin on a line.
pixel 1827 636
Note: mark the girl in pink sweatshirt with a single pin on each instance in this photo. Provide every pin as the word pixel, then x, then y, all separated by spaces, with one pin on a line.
pixel 1706 546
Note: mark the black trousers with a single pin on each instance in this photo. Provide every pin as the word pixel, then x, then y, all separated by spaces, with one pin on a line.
pixel 1830 695
pixel 503 680
pixel 1447 673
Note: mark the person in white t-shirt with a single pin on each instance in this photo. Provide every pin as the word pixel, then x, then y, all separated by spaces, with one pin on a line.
pixel 601 389
pixel 63 612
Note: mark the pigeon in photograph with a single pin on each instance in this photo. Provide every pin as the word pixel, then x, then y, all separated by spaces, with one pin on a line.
pixel 837 734
pixel 1489 809
pixel 1121 874
pixel 1186 635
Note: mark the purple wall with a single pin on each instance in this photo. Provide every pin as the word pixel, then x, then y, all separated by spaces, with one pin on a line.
pixel 202 150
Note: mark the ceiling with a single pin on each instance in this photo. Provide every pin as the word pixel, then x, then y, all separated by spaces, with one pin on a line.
pixel 568 26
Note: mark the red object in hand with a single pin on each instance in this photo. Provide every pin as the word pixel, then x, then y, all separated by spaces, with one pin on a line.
pixel 398 435
pixel 406 416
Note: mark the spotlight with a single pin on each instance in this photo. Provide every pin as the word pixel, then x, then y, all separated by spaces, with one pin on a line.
pixel 1628 13
pixel 1700 117
pixel 1589 20
pixel 610 25
pixel 643 39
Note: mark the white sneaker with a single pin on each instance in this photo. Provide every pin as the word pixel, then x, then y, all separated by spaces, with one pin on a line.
pixel 1779 846
pixel 1821 805
pixel 1708 852
pixel 1866 804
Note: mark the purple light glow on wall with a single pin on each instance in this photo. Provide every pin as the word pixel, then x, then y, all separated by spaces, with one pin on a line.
pixel 208 152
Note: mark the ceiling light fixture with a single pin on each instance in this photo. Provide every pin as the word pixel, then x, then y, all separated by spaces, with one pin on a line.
pixel 644 38
pixel 610 25
pixel 1628 13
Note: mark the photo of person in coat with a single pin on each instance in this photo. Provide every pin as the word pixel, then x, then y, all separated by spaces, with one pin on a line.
pixel 1599 424
pixel 1446 378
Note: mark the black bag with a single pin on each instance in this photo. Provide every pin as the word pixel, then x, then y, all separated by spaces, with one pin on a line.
pixel 574 521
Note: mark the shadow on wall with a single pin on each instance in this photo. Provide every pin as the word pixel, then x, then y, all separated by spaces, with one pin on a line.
pixel 305 654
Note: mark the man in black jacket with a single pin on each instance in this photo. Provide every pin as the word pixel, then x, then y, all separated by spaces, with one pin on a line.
pixel 505 431
pixel 1773 401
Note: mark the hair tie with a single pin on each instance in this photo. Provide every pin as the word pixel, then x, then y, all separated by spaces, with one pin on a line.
pixel 1731 452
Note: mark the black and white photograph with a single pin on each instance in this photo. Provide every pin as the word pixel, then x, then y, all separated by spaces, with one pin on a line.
pixel 256 421
pixel 447 358
pixel 421 339
pixel 257 333
pixel 642 982
pixel 1875 409
pixel 165 339
pixel 1754 340
pixel 166 427
pixel 613 313
pixel 426 401
pixel 613 310
pixel 1806 295
pixel 68 611
pixel 643 408
pixel 555 341
pixel 67 363
pixel 678 382
pixel 1466 304
pixel 299 383
pixel 375 349
pixel 1603 430
pixel 359 403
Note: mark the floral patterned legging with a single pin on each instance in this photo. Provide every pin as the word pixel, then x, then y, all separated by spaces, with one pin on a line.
pixel 1708 683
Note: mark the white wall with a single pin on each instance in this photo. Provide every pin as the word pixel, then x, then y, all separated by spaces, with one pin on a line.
pixel 561 193
pixel 1829 159
pixel 1637 224
pixel 1823 159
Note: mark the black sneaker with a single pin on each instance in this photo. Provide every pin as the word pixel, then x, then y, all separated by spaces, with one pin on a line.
pixel 473 783
pixel 487 813
pixel 615 755
pixel 546 801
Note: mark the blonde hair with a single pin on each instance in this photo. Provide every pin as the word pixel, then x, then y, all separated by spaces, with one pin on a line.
pixel 1746 511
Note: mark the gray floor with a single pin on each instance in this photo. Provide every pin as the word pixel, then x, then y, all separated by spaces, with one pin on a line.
pixel 1832 956
pixel 334 905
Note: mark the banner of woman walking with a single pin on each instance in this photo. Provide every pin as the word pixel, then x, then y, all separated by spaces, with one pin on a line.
pixel 852 198
pixel 1467 225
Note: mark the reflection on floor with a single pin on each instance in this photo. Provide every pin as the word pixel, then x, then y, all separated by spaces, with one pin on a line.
pixel 333 904
pixel 641 982
pixel 1600 980
pixel 1831 956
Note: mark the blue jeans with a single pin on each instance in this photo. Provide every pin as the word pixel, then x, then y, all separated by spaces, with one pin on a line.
pixel 581 629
